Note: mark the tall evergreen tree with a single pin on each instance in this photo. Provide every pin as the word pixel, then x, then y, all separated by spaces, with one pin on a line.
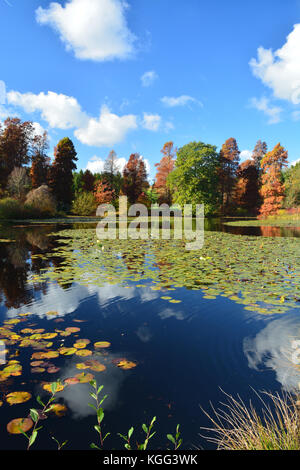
pixel 61 177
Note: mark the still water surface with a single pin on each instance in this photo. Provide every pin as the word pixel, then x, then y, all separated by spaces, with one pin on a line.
pixel 185 351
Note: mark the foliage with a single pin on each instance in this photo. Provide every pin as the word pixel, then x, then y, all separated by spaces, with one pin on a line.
pixel 164 168
pixel 258 154
pixel 247 187
pixel 15 146
pixel 103 193
pixel 40 162
pixel 272 189
pixel 11 209
pixel 195 177
pixel 42 200
pixel 18 183
pixel 229 162
pixel 84 204
pixel 134 178
pixel 61 177
pixel 292 186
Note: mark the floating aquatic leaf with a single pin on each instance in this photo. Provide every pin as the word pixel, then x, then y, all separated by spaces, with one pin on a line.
pixel 15 398
pixel 19 425
pixel 67 351
pixel 48 387
pixel 59 409
pixel 71 381
pixel 102 344
pixel 72 329
pixel 124 364
pixel 83 352
pixel 84 377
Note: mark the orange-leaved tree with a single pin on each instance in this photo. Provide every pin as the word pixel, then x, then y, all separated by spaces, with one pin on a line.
pixel 164 168
pixel 272 190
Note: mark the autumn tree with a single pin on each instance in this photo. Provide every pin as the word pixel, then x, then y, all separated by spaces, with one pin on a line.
pixel 134 178
pixel 40 162
pixel 60 175
pixel 229 162
pixel 272 190
pixel 195 177
pixel 88 181
pixel 247 187
pixel 15 146
pixel 258 154
pixel 164 168
pixel 18 183
pixel 103 193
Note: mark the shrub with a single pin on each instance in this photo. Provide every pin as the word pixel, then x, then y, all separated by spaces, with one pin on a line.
pixel 41 201
pixel 10 209
pixel 84 204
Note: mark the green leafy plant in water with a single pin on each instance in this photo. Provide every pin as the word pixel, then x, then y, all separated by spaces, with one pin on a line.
pixel 37 414
pixel 99 411
pixel 176 440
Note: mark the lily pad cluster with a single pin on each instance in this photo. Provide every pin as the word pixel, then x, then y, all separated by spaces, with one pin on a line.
pixel 263 274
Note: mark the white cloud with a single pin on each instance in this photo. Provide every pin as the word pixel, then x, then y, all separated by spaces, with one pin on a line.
pixel 92 29
pixel 245 155
pixel 106 130
pixel 263 104
pixel 182 100
pixel 96 164
pixel 148 78
pixel 38 129
pixel 151 122
pixel 60 111
pixel 64 112
pixel 295 162
pixel 2 92
pixel 280 70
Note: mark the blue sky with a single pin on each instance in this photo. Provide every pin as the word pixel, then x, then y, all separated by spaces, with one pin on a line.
pixel 131 76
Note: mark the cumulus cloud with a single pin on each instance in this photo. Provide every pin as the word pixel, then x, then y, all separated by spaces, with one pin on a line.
pixel 182 100
pixel 151 122
pixel 64 112
pixel 277 347
pixel 263 104
pixel 245 155
pixel 93 29
pixel 60 111
pixel 280 70
pixel 106 130
pixel 148 78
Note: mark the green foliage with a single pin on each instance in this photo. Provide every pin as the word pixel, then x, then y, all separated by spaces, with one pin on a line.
pixel 292 186
pixel 195 177
pixel 84 204
pixel 10 209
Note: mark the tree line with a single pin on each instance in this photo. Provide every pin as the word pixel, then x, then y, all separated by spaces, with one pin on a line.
pixel 33 184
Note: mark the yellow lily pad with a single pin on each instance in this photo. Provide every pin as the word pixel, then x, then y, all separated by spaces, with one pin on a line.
pixel 19 425
pixel 15 398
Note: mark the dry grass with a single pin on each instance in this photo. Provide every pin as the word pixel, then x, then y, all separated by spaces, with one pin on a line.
pixel 240 427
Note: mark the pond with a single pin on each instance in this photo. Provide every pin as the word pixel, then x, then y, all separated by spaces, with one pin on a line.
pixel 164 330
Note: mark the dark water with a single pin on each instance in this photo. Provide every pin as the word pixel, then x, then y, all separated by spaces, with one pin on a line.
pixel 185 353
